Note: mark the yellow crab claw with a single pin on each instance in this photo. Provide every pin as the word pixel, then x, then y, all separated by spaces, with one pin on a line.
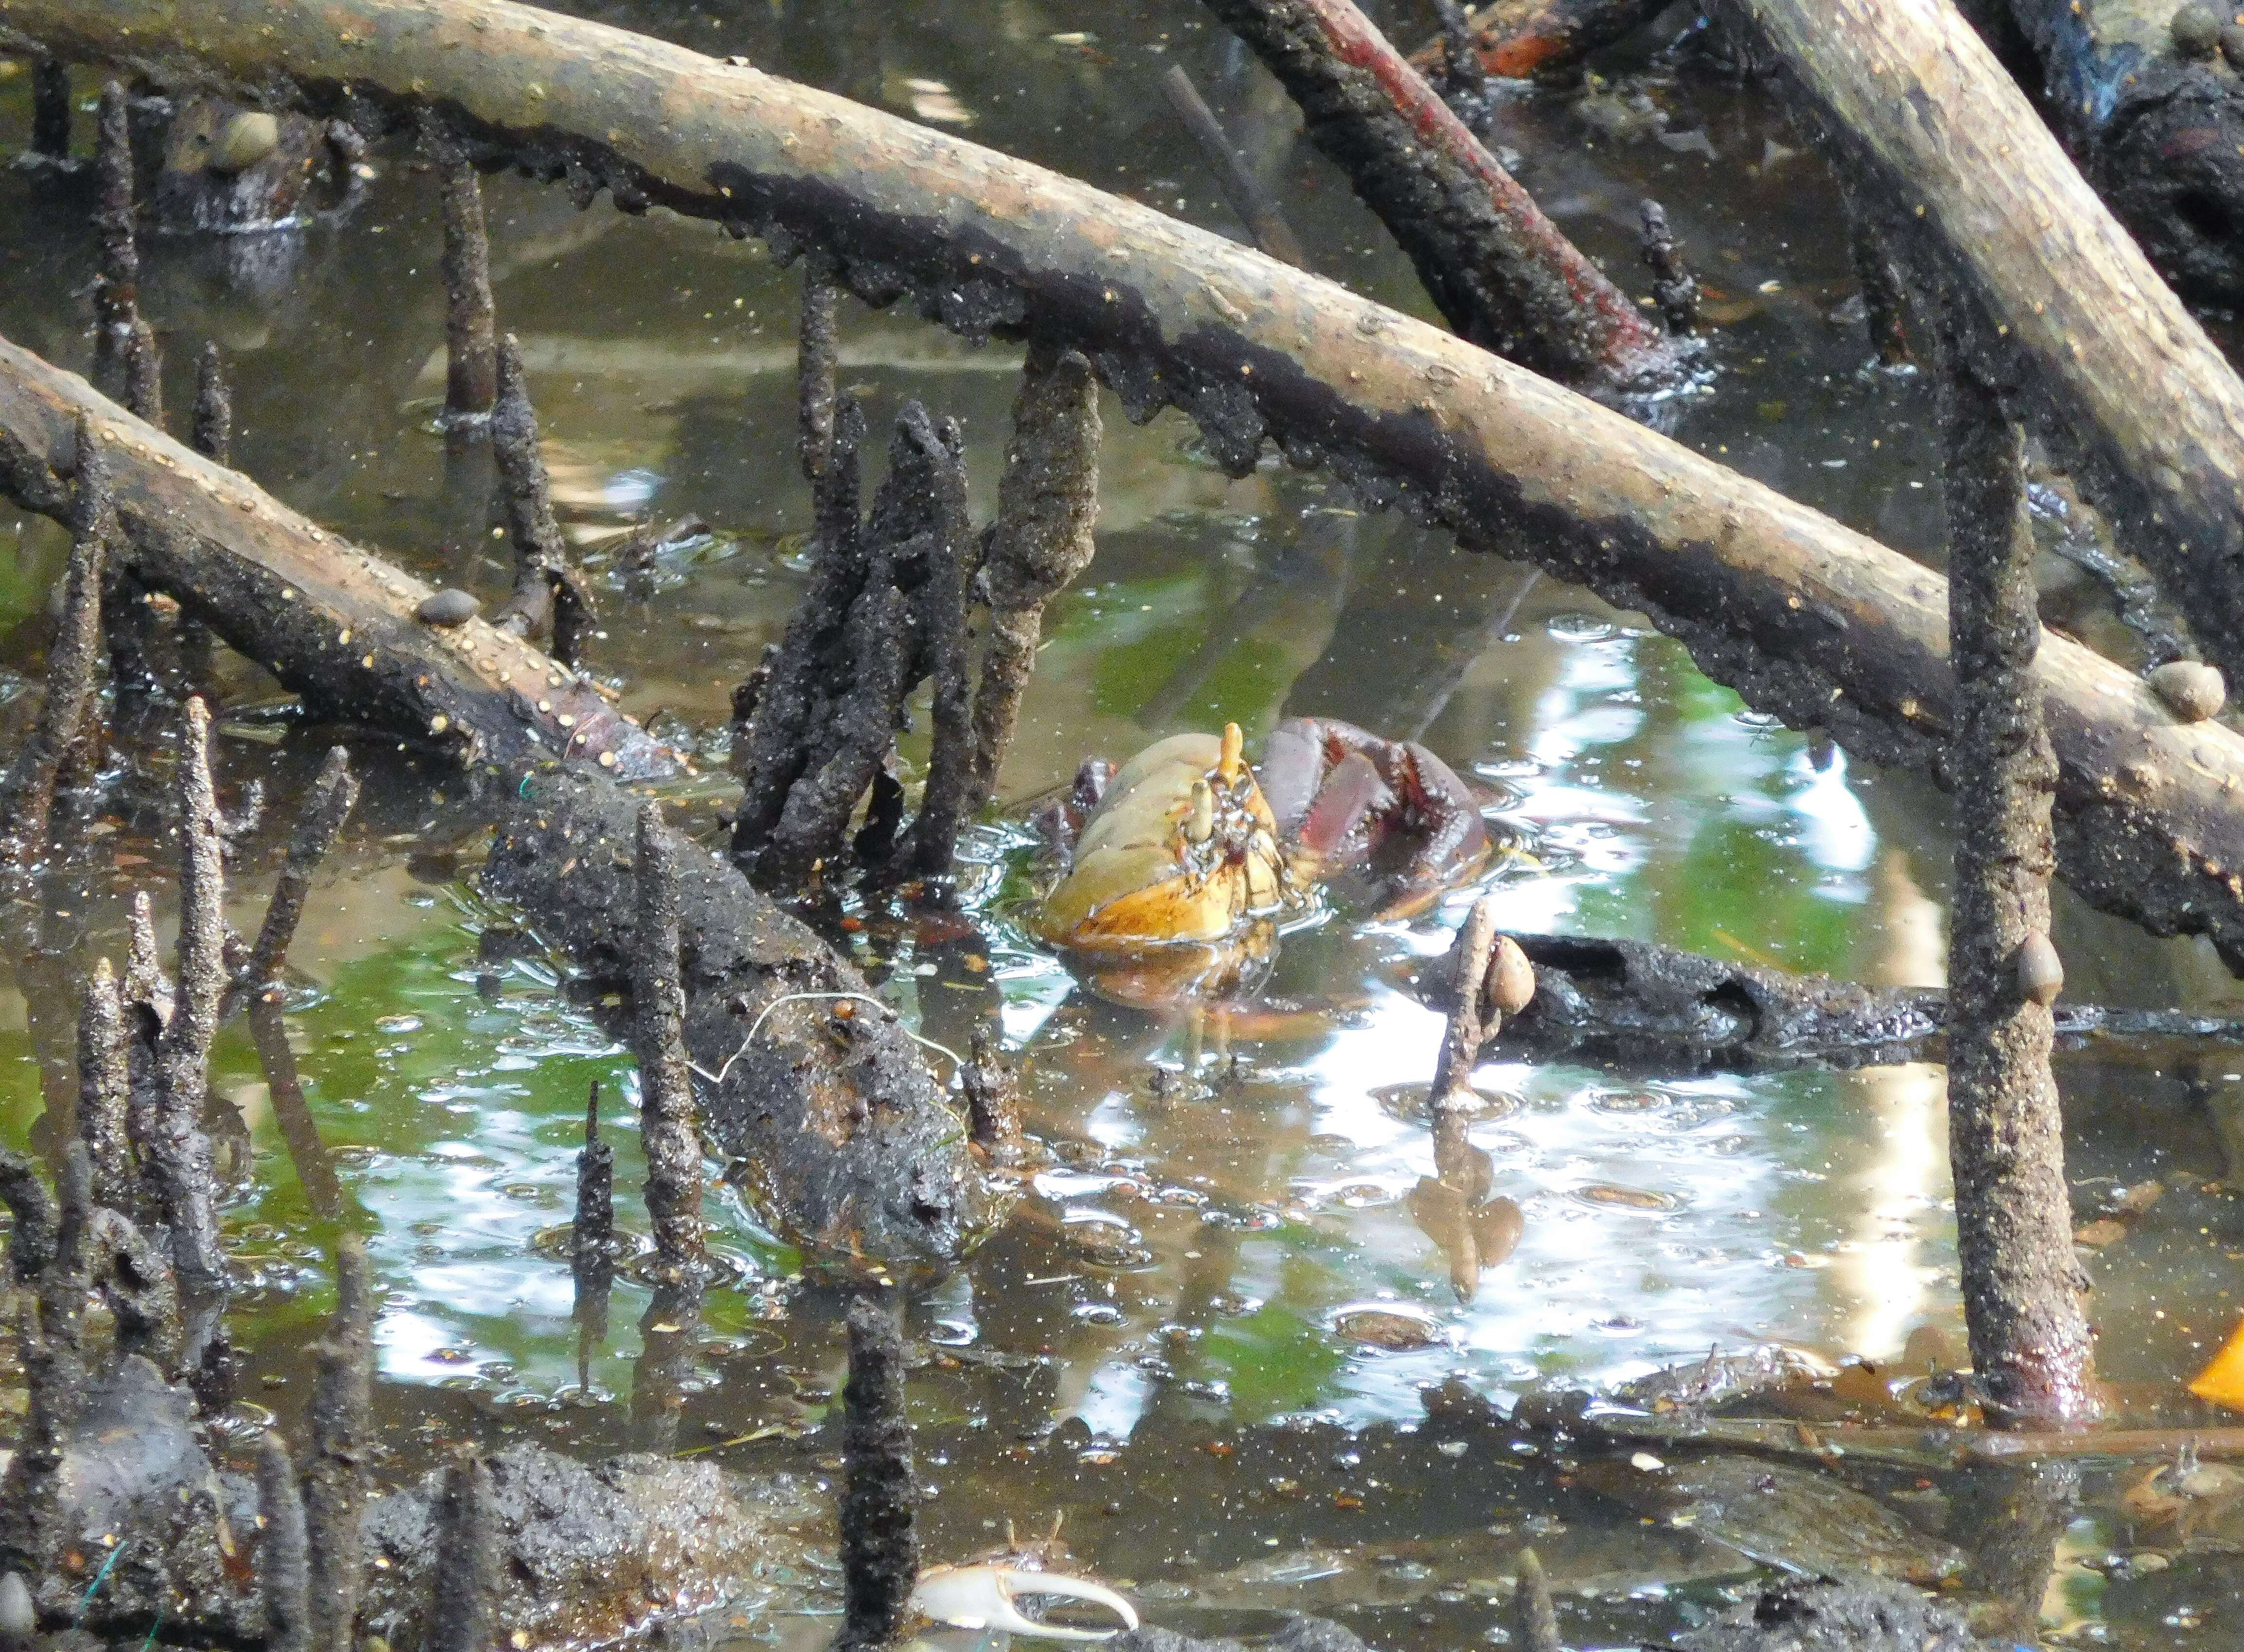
pixel 981 1597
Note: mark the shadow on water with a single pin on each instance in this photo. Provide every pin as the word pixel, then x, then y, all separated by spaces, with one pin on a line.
pixel 1207 1337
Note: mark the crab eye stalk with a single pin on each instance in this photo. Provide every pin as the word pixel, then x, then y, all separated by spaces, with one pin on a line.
pixel 1232 763
pixel 1199 819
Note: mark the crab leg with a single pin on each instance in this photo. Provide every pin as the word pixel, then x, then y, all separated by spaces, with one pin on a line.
pixel 981 1597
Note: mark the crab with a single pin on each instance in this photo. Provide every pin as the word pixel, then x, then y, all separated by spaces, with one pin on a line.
pixel 1183 860
pixel 983 1593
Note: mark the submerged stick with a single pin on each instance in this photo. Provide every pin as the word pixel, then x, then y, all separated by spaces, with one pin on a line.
pixel 1041 542
pixel 1255 207
pixel 880 1552
pixel 1499 269
pixel 1535 1620
pixel 471 336
pixel 669 1127
pixel 187 1180
pixel 2030 1344
pixel 213 425
pixel 284 1559
pixel 319 823
pixel 51 110
pixel 336 1478
pixel 68 710
pixel 105 1092
pixel 284 1086
pixel 464 1595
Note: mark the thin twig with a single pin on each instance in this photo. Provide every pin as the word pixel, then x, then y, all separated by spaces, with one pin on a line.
pixel 1256 207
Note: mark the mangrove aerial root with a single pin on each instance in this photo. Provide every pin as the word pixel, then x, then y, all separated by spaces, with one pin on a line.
pixel 318 823
pixel 810 654
pixel 1674 289
pixel 817 349
pixel 212 432
pixel 284 1555
pixel 464 1595
pixel 2030 1344
pixel 471 327
pixel 1502 274
pixel 1041 542
pixel 880 1550
pixel 50 111
pixel 993 1100
pixel 69 713
pixel 336 1473
pixel 117 285
pixel 550 597
pixel 178 1153
pixel 939 615
pixel 1471 958
pixel 669 1129
pixel 1255 206
pixel 594 1229
pixel 1880 286
pixel 105 1092
pixel 1534 1619
pixel 32 1244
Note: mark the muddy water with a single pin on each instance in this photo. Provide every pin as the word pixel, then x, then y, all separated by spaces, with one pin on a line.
pixel 1204 1339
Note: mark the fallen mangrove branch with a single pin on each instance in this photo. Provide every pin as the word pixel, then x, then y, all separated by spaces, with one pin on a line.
pixel 334 623
pixel 1808 621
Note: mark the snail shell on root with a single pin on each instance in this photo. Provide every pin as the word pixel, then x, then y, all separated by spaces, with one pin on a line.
pixel 2192 690
pixel 245 141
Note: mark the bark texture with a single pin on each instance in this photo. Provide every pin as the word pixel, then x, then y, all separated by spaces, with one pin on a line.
pixel 2029 1343
pixel 1501 272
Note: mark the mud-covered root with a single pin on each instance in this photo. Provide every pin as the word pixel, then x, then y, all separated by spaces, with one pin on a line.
pixel 51 111
pixel 334 795
pixel 1880 288
pixel 817 353
pixel 32 1244
pixel 105 1092
pixel 993 1101
pixel 178 1153
pixel 284 1556
pixel 1674 289
pixel 669 1129
pixel 1534 1620
pixel 2030 1345
pixel 1491 977
pixel 463 1595
pixel 777 738
pixel 593 1232
pixel 550 596
pixel 1041 542
pixel 212 432
pixel 336 1478
pixel 670 1337
pixel 939 615
pixel 470 331
pixel 68 721
pixel 117 285
pixel 880 1549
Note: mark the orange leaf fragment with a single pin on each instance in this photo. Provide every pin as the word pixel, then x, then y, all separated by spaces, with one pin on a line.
pixel 2222 1381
